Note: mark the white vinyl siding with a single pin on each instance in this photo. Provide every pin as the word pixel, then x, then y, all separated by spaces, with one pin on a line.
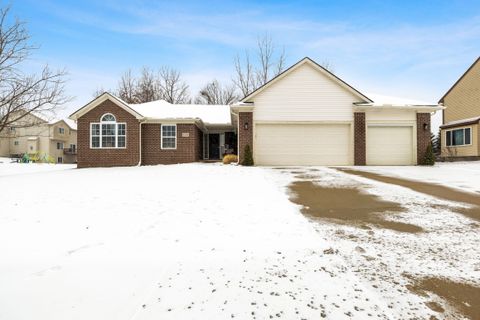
pixel 302 144
pixel 390 145
pixel 391 115
pixel 304 95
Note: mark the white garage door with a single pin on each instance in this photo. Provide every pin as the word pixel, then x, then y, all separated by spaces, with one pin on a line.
pixel 389 145
pixel 302 144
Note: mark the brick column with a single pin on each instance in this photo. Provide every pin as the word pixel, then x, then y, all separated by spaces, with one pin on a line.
pixel 359 133
pixel 245 136
pixel 423 135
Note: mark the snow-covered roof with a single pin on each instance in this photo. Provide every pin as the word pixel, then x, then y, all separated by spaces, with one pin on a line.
pixel 69 123
pixel 161 109
pixel 382 100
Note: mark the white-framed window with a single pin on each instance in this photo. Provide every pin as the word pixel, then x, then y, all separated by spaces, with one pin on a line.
pixel 169 136
pixel 61 130
pixel 15 143
pixel 59 160
pixel 108 133
pixel 459 137
pixel 12 129
pixel 59 145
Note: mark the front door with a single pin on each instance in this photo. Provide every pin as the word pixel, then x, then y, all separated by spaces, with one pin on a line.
pixel 214 146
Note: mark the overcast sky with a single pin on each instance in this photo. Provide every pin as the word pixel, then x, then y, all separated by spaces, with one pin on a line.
pixel 409 49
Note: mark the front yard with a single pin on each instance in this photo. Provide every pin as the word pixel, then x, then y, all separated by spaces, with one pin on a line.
pixel 207 241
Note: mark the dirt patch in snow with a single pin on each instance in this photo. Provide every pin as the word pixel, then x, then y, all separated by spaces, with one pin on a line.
pixel 435 190
pixel 463 297
pixel 347 205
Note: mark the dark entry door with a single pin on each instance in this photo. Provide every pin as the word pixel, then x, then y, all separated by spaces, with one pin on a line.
pixel 214 146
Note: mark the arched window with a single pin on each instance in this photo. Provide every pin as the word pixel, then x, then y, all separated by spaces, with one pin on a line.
pixel 108 133
pixel 108 118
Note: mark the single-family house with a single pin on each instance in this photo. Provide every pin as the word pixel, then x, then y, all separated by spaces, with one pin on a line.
pixel 460 131
pixel 304 116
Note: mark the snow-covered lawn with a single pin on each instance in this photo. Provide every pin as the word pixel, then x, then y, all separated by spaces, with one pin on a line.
pixel 8 167
pixel 207 241
pixel 463 175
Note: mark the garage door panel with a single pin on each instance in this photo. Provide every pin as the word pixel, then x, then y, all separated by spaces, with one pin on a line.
pixel 390 145
pixel 306 144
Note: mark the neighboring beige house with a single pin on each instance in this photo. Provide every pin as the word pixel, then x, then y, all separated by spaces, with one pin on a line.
pixel 55 141
pixel 460 134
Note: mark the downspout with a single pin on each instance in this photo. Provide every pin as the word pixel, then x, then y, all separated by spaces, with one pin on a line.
pixel 238 135
pixel 140 143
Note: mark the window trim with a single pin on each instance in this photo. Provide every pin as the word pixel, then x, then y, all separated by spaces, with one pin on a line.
pixel 451 137
pixel 108 114
pixel 60 144
pixel 161 136
pixel 61 130
pixel 100 135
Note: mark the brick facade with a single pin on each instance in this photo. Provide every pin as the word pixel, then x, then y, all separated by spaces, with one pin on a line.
pixel 423 135
pixel 359 128
pixel 88 157
pixel 189 145
pixel 245 136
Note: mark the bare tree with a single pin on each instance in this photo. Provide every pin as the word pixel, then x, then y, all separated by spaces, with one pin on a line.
pixel 20 93
pixel 328 65
pixel 147 87
pixel 270 65
pixel 270 62
pixel 99 91
pixel 127 87
pixel 245 77
pixel 215 93
pixel 173 89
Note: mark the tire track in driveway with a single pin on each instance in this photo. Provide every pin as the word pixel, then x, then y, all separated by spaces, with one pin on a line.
pixel 394 263
pixel 431 189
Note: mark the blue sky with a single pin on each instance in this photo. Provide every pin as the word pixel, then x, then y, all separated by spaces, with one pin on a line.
pixel 410 49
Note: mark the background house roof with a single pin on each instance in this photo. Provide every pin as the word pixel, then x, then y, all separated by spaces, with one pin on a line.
pixel 462 122
pixel 161 109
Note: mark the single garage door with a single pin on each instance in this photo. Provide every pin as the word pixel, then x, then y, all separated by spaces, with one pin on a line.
pixel 302 144
pixel 390 145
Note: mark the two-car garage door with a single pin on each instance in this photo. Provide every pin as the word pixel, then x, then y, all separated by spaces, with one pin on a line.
pixel 302 144
pixel 330 144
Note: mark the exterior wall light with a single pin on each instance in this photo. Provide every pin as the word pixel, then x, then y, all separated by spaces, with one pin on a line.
pixel 245 126
pixel 425 126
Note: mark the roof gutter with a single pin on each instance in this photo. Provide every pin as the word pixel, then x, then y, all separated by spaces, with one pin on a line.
pixel 425 108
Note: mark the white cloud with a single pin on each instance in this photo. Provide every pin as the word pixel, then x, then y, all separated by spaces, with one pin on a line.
pixel 417 61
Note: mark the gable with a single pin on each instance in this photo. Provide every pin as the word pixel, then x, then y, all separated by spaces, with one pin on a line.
pixel 462 101
pixel 473 67
pixel 305 94
pixel 314 65
pixel 101 99
pixel 30 119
